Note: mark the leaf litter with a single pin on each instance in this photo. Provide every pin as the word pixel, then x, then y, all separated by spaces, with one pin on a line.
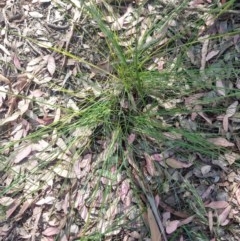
pixel 54 176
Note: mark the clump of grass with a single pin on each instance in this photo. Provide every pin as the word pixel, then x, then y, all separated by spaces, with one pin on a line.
pixel 132 100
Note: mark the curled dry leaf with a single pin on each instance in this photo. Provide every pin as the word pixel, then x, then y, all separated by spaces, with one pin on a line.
pixel 217 205
pixel 177 164
pixel 220 141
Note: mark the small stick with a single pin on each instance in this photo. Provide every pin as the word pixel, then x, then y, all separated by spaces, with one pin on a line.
pixel 58 27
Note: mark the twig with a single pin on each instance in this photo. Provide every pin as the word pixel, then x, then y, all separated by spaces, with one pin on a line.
pixel 58 27
pixel 68 40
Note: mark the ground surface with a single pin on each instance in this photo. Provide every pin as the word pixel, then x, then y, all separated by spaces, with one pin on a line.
pixel 87 153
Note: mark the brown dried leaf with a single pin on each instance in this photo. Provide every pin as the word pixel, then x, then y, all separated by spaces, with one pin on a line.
pixel 84 213
pixel 238 83
pixel 112 210
pixel 23 154
pixel 220 141
pixel 223 216
pixel 204 52
pixel 35 14
pixel 154 229
pixel 231 110
pixel 150 165
pixel 231 157
pixel 36 93
pixel 5 80
pixel 118 23
pixel 205 169
pixel 131 138
pixel 217 205
pixel 23 105
pixel 192 100
pixel 125 187
pixel 225 123
pixel 6 201
pixel 186 221
pixel 157 157
pixel 204 116
pixel 51 65
pixel 35 61
pixel 12 208
pixel 102 68
pixel 64 171
pixel 237 193
pixel 37 213
pixel 46 200
pixel 11 118
pixel 135 235
pixel 221 90
pixel 16 62
pixel 172 226
pixel 23 208
pixel 208 191
pixel 51 231
pixel 177 164
pixel 210 220
pixel 172 135
pixel 211 54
